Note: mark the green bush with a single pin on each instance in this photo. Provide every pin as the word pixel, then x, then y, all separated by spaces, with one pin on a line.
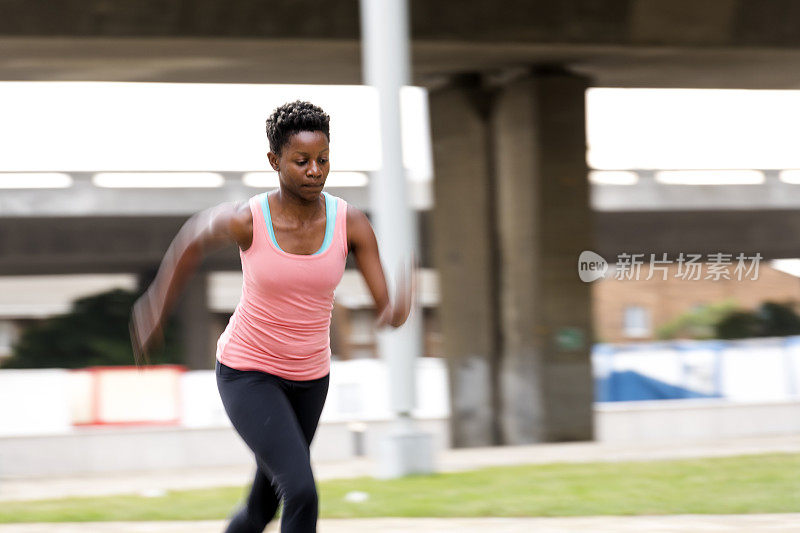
pixel 740 325
pixel 771 319
pixel 779 320
pixel 726 321
pixel 94 332
pixel 699 323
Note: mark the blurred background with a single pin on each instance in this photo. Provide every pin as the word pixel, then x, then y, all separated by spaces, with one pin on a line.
pixel 531 132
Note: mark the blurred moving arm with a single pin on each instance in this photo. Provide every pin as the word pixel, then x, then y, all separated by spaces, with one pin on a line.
pixel 203 233
pixel 362 243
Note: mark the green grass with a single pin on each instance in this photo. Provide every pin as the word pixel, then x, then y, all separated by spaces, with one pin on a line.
pixel 746 484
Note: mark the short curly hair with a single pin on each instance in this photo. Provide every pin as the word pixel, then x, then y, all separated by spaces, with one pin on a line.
pixel 293 118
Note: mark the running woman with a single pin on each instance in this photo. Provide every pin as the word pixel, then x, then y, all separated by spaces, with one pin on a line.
pixel 273 359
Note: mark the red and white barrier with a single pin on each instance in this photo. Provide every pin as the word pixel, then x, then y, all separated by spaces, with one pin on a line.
pixel 127 395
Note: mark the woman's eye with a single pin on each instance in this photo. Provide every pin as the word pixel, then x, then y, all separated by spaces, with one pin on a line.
pixel 300 162
pixel 323 161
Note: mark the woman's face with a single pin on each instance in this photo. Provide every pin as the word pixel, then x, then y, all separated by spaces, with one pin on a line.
pixel 303 165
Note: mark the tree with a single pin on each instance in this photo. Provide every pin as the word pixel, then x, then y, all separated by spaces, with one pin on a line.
pixel 726 321
pixel 771 319
pixel 94 332
pixel 779 320
pixel 699 323
pixel 740 325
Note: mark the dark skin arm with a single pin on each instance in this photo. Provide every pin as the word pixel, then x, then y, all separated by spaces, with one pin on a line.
pixel 201 234
pixel 363 245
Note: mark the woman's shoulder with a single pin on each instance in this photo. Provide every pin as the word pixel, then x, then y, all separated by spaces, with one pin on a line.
pixel 242 211
pixel 355 215
pixel 359 228
pixel 240 222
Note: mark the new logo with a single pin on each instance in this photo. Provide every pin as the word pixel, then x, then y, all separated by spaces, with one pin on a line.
pixel 591 266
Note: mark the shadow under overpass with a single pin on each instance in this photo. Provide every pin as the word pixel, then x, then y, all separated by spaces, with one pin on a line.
pixel 113 244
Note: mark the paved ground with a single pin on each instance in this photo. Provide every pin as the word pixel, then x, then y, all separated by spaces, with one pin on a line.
pixel 451 460
pixel 639 524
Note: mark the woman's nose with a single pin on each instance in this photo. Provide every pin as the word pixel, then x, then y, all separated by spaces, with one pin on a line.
pixel 313 169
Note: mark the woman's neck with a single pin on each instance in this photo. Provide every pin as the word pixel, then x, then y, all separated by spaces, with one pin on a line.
pixel 296 207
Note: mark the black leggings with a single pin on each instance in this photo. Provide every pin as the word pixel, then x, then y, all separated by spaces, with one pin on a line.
pixel 276 418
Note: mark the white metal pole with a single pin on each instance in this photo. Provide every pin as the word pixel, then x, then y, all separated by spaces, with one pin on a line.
pixel 386 66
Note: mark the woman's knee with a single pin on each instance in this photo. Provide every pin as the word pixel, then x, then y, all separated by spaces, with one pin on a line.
pixel 301 493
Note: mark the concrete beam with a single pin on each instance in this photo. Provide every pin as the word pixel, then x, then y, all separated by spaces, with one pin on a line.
pixel 639 43
pixel 83 199
pixel 598 22
pixel 112 244
pixel 78 245
pixel 75 245
pixel 650 195
pixel 673 232
pixel 86 200
pixel 174 18
pixel 337 61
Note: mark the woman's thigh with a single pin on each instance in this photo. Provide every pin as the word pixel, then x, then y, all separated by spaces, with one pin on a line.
pixel 308 399
pixel 260 411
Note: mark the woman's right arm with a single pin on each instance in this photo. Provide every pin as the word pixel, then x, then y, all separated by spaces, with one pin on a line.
pixel 201 234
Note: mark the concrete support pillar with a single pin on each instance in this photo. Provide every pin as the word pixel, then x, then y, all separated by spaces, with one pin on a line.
pixel 544 219
pixel 194 317
pixel 512 216
pixel 465 254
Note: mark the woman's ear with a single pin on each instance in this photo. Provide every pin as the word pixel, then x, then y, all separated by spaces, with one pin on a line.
pixel 273 160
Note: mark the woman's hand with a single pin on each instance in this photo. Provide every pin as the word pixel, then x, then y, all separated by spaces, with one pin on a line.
pixel 405 290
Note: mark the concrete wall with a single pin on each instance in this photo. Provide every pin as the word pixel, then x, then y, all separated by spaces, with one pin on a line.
pixel 675 420
pixel 117 449
pixel 99 450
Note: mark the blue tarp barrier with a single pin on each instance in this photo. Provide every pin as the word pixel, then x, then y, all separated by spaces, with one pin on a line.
pixel 628 386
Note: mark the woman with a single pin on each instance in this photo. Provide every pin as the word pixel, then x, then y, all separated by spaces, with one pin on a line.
pixel 273 359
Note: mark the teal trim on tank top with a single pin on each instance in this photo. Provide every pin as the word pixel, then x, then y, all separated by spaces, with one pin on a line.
pixel 330 222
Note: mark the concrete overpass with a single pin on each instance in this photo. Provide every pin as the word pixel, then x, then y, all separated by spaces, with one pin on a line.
pixel 507 114
pixel 628 43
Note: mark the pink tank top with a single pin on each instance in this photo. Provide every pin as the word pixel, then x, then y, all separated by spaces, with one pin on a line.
pixel 282 322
